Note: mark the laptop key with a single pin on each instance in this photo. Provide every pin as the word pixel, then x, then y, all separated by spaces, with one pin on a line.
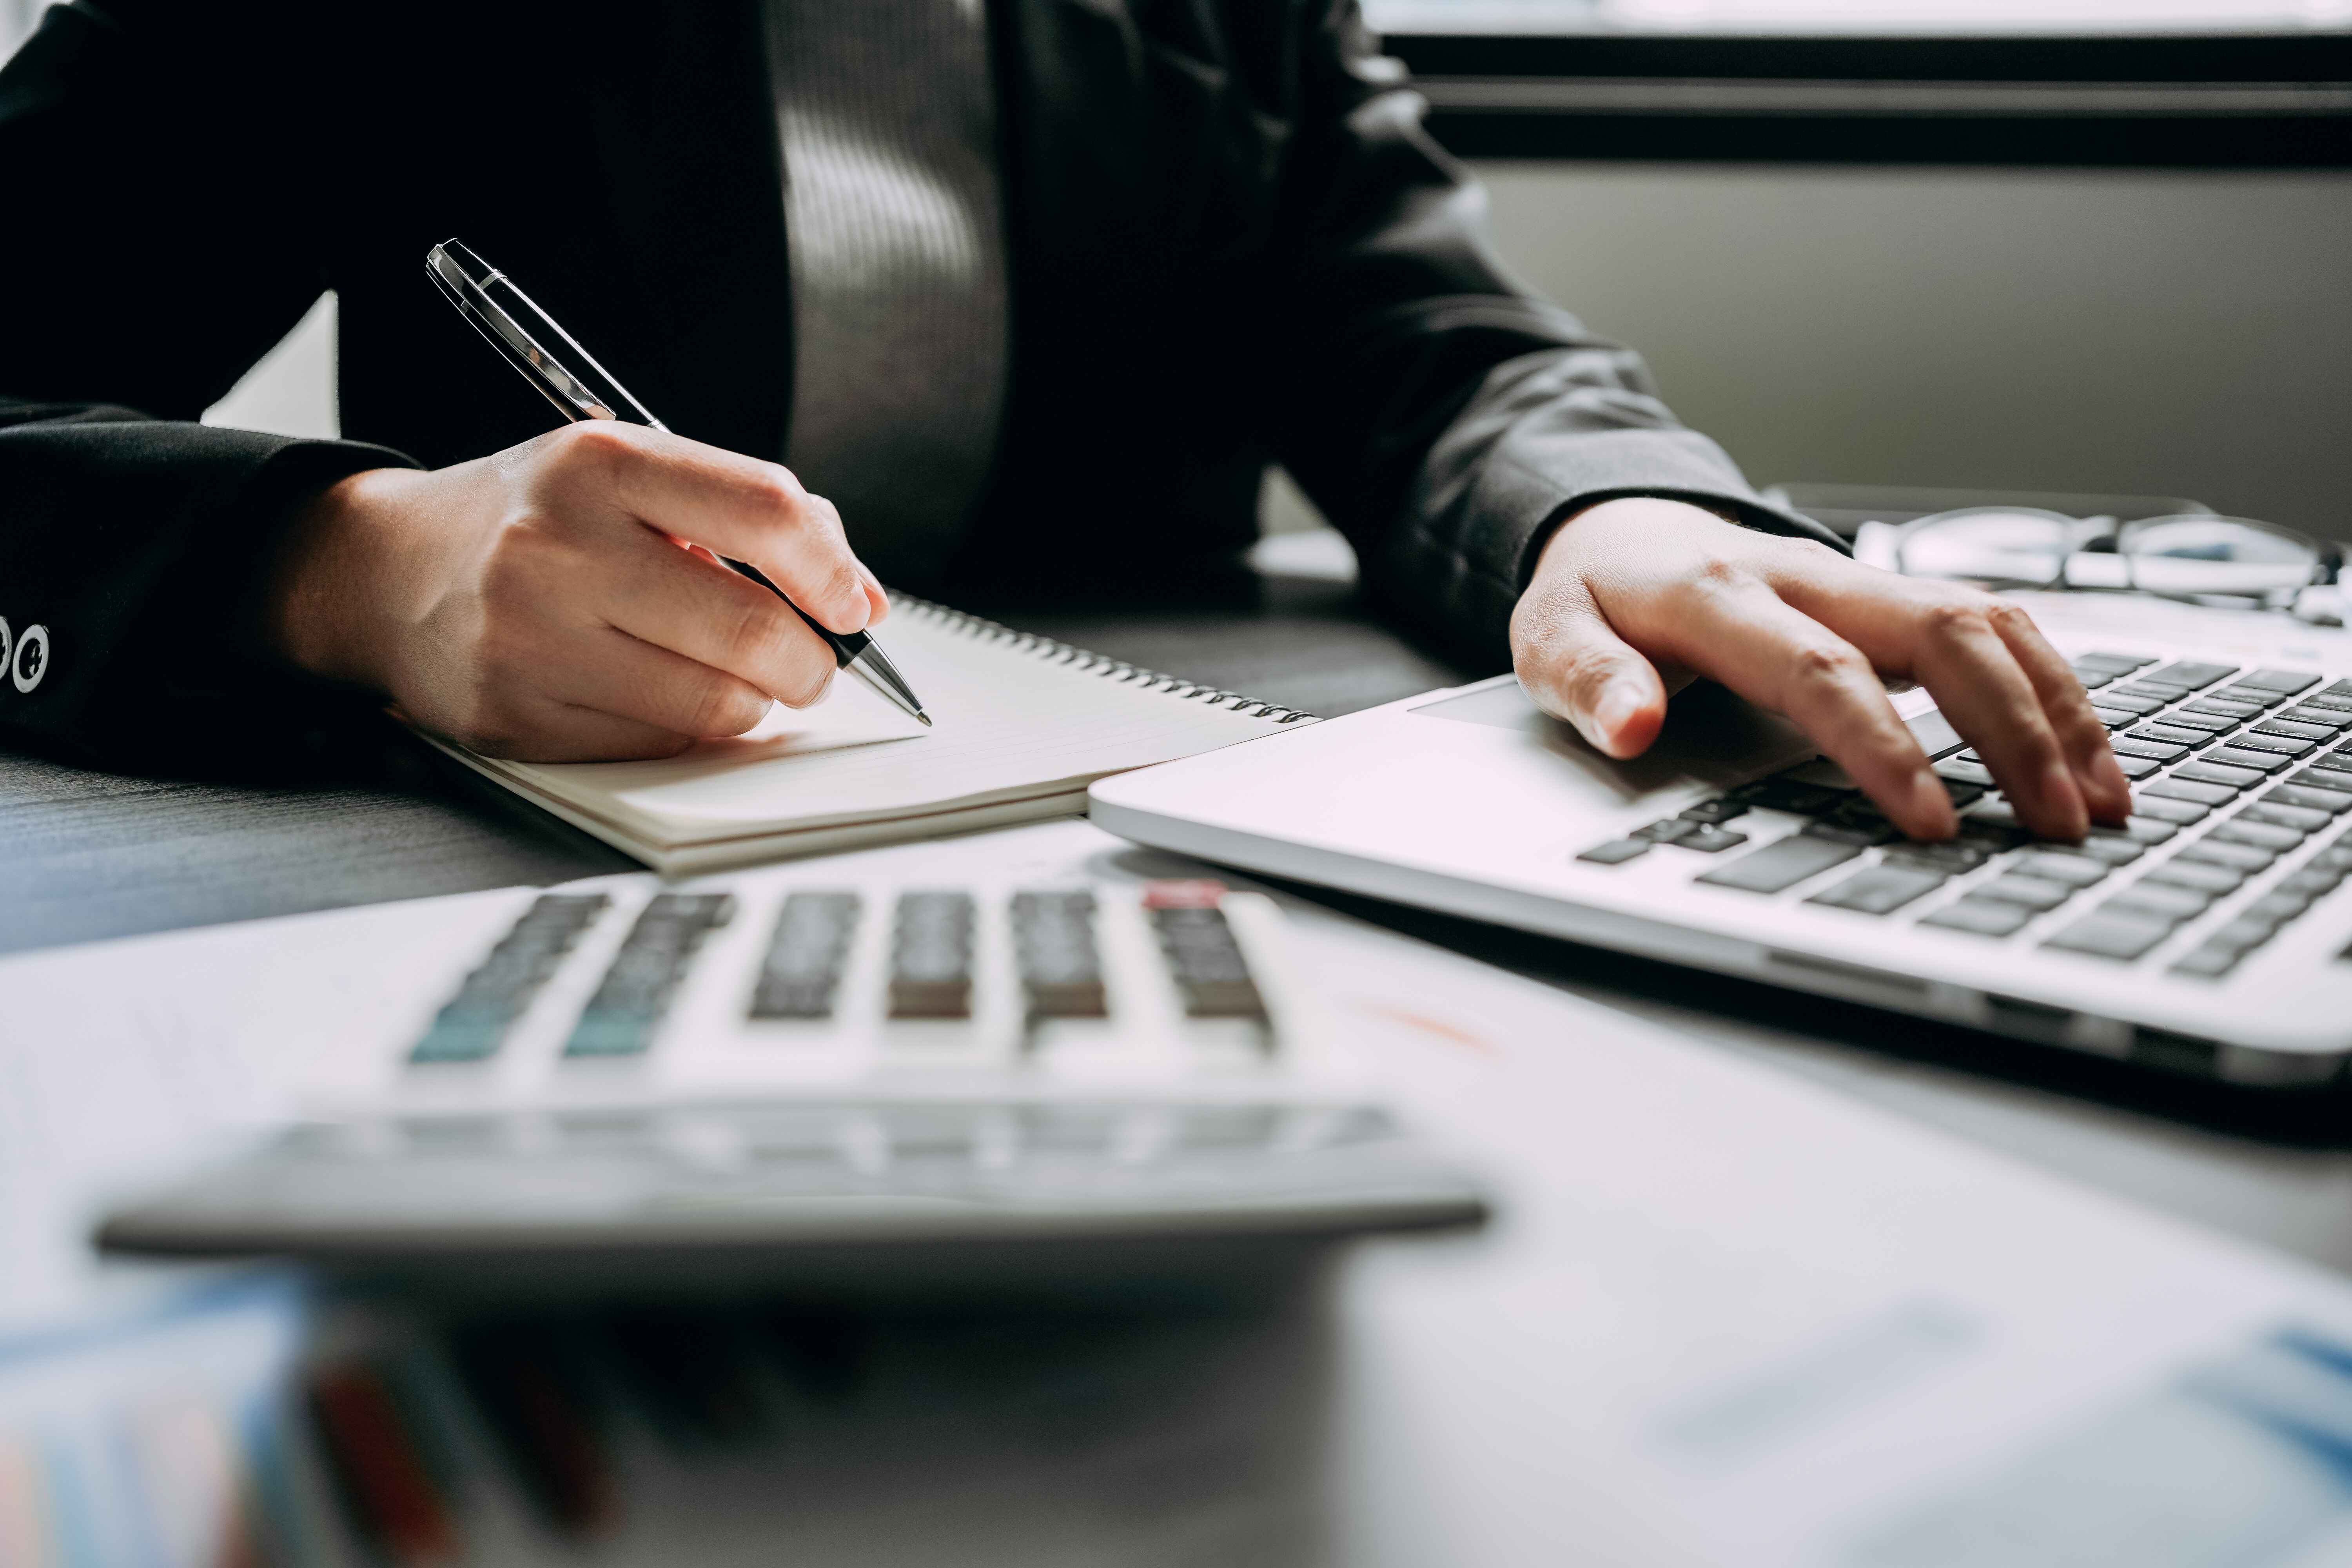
pixel 2289 729
pixel 1955 855
pixel 2243 934
pixel 2115 718
pixel 2142 828
pixel 2279 906
pixel 2130 700
pixel 2262 759
pixel 2327 781
pixel 2213 772
pixel 2166 733
pixel 2110 848
pixel 2026 893
pixel 2329 719
pixel 1781 864
pixel 2093 678
pixel 1880 889
pixel 2259 835
pixel 2205 724
pixel 2289 682
pixel 2106 935
pixel 2243 858
pixel 2255 695
pixel 2159 901
pixel 1664 832
pixel 2114 663
pixel 1712 811
pixel 2331 698
pixel 2135 767
pixel 2285 815
pixel 2260 740
pixel 2073 870
pixel 2337 761
pixel 1710 840
pixel 2149 803
pixel 2204 879
pixel 1786 794
pixel 2141 744
pixel 2206 961
pixel 1616 852
pixel 1952 769
pixel 1862 835
pixel 2189 675
pixel 2194 791
pixel 2223 708
pixel 2331 798
pixel 1980 916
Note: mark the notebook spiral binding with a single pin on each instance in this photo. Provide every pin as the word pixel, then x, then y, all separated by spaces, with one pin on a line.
pixel 964 624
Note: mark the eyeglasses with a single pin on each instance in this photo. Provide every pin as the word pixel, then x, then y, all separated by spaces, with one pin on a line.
pixel 2189 556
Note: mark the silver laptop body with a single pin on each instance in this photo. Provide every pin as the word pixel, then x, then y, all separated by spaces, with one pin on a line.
pixel 2211 937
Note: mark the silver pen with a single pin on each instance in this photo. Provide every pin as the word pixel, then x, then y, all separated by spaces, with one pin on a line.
pixel 551 360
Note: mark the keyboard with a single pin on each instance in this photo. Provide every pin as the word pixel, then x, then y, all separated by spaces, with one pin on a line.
pixel 2242 782
pixel 812 1074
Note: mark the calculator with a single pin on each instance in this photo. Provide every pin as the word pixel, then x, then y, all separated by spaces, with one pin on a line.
pixel 839 1080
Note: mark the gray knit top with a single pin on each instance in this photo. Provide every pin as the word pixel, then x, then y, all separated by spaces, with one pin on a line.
pixel 897 265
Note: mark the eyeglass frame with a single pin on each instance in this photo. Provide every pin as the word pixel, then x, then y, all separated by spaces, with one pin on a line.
pixel 2084 536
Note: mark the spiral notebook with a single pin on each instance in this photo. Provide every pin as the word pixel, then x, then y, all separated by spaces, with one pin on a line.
pixel 1022 725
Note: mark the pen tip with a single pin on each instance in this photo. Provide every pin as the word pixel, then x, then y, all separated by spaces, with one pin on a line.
pixel 926 718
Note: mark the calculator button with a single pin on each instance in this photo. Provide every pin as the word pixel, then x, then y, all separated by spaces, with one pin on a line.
pixel 1054 949
pixel 931 955
pixel 473 1023
pixel 621 1017
pixel 802 972
pixel 1205 961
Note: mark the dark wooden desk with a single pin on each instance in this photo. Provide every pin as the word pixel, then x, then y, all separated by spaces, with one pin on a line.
pixel 87 856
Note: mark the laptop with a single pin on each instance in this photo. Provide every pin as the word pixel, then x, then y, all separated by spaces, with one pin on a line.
pixel 2210 935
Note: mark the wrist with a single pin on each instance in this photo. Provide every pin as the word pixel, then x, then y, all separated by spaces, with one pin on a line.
pixel 318 613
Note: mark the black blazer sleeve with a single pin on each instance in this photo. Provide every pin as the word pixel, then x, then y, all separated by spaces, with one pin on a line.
pixel 1441 414
pixel 149 264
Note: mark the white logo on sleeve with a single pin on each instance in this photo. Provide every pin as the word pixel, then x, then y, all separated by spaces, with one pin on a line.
pixel 31 660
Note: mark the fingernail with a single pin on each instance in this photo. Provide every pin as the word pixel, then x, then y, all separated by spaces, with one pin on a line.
pixel 1620 700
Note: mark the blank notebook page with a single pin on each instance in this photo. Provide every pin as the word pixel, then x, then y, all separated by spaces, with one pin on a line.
pixel 1013 717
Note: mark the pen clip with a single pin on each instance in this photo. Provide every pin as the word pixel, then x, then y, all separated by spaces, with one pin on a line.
pixel 590 392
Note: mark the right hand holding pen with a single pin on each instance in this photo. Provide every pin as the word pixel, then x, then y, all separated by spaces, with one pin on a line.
pixel 532 604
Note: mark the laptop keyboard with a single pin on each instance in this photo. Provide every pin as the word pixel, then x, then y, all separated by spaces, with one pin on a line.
pixel 2241 784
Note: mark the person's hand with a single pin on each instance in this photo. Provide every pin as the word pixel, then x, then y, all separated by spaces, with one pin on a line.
pixel 1631 598
pixel 535 605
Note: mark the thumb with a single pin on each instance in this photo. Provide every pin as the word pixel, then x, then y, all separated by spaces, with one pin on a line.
pixel 1575 666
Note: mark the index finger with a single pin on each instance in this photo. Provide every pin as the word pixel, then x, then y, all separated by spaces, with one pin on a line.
pixel 1746 636
pixel 740 507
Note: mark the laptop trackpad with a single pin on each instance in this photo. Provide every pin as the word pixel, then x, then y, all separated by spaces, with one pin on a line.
pixel 1710 737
